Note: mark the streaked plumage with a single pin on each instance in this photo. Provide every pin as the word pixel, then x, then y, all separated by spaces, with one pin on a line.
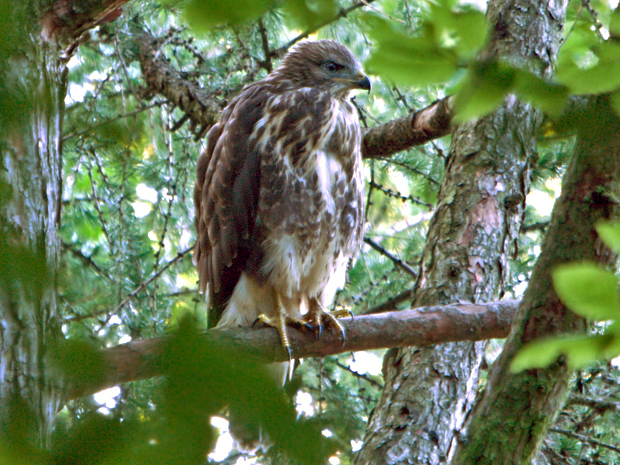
pixel 279 193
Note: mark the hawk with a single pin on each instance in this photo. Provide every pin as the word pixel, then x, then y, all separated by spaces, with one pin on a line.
pixel 279 195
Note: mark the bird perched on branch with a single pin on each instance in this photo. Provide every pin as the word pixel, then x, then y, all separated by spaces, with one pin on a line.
pixel 279 194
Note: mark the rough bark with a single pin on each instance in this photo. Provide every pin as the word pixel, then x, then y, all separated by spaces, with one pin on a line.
pixel 420 327
pixel 414 129
pixel 201 108
pixel 428 392
pixel 67 20
pixel 31 166
pixel 510 421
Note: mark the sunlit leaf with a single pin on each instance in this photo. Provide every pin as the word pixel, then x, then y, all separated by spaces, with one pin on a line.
pixel 588 290
pixel 484 89
pixel 202 15
pixel 549 97
pixel 579 351
pixel 409 60
pixel 461 30
pixel 588 66
pixel 308 13
pixel 610 233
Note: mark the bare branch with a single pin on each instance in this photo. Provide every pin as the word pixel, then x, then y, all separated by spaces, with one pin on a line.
pixel 390 193
pixel 203 110
pixel 134 293
pixel 391 303
pixel 280 52
pixel 416 128
pixel 397 261
pixel 420 327
pixel 589 440
pixel 265 40
pixel 67 20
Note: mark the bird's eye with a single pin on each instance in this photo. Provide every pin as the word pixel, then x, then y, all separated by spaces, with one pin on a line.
pixel 332 67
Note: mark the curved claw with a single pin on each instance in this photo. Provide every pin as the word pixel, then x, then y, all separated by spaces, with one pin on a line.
pixel 321 317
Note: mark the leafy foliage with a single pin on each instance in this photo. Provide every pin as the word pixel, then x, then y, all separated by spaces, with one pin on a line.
pixel 127 222
pixel 592 293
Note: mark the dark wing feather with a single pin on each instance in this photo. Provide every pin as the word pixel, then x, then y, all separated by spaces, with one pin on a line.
pixel 226 198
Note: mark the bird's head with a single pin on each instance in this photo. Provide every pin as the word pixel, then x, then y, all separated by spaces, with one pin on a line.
pixel 326 64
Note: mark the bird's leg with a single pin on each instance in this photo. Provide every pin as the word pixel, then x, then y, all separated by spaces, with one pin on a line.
pixel 318 316
pixel 280 320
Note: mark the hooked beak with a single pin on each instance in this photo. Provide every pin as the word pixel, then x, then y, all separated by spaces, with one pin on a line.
pixel 362 81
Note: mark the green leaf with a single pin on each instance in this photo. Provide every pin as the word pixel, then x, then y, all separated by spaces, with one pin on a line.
pixel 310 14
pixel 484 89
pixel 549 97
pixel 407 60
pixel 202 15
pixel 588 290
pixel 15 100
pixel 609 232
pixel 579 350
pixel 587 66
pixel 463 31
pixel 79 362
pixel 614 25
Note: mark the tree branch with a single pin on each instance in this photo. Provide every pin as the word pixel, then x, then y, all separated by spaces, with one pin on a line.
pixel 416 128
pixel 420 327
pixel 202 109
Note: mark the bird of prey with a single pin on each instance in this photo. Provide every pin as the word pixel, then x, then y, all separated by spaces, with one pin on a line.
pixel 279 194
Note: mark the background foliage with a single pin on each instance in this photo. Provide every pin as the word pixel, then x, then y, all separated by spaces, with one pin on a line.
pixel 127 220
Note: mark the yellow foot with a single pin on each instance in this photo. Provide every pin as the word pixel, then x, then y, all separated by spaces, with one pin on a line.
pixel 280 321
pixel 320 317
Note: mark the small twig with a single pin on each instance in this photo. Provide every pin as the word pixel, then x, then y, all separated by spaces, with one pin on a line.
pixel 104 228
pixel 390 193
pixel 360 376
pixel 397 261
pixel 594 15
pixel 410 168
pixel 600 405
pixel 87 260
pixel 341 14
pixel 391 303
pixel 540 226
pixel 369 193
pixel 587 439
pixel 401 98
pixel 111 120
pixel 265 40
pixel 135 292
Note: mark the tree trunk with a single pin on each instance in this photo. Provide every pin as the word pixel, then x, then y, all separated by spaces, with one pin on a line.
pixel 31 167
pixel 429 392
pixel 510 421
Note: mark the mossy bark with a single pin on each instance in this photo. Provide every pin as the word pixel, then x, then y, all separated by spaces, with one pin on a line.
pixel 31 174
pixel 430 391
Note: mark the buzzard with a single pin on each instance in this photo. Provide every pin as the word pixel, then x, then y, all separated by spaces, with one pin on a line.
pixel 279 194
